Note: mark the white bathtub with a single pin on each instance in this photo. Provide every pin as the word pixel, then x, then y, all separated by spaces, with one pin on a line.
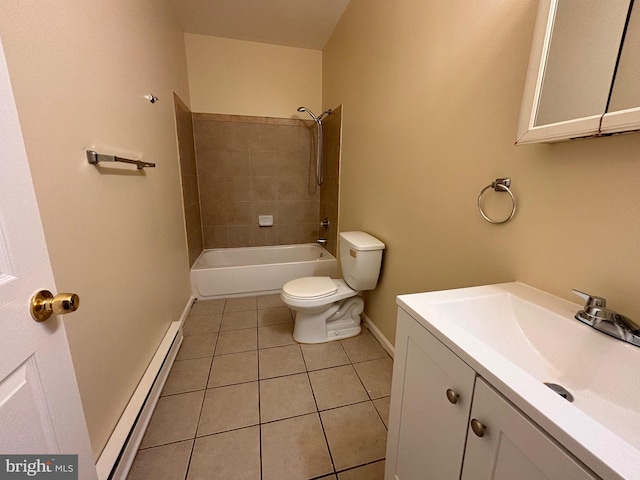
pixel 228 272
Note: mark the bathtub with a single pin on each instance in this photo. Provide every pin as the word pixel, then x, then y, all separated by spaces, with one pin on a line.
pixel 229 272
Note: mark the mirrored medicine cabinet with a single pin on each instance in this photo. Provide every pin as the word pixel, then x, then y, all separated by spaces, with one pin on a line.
pixel 584 71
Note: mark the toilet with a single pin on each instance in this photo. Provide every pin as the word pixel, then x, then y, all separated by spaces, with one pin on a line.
pixel 329 309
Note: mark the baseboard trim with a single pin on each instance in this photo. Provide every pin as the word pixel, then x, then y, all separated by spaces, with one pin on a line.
pixel 118 455
pixel 386 344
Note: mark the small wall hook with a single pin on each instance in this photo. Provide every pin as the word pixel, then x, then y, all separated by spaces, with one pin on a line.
pixel 152 98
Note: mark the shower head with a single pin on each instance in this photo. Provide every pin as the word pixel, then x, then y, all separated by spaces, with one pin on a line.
pixel 305 109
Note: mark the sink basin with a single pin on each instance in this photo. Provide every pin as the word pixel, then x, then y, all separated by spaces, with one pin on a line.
pixel 520 338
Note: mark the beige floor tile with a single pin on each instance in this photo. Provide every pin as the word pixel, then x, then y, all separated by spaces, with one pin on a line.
pixel 376 376
pixel 336 387
pixel 234 368
pixel 240 304
pixel 279 361
pixel 231 455
pixel 276 335
pixel 175 418
pixel 167 462
pixel 294 449
pixel 324 355
pixel 363 347
pixel 355 433
pixel 201 324
pixel 382 406
pixel 229 408
pixel 187 376
pixel 373 471
pixel 236 341
pixel 285 397
pixel 239 320
pixel 206 307
pixel 328 477
pixel 197 346
pixel 270 301
pixel 274 316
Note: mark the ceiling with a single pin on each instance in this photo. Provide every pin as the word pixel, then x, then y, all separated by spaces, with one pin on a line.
pixel 295 23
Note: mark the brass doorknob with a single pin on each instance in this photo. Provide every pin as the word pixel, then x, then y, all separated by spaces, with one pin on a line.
pixel 44 304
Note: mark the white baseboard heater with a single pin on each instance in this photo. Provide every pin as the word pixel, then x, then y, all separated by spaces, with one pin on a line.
pixel 118 455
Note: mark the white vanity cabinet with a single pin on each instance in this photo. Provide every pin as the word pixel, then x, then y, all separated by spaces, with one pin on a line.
pixel 435 397
pixel 427 432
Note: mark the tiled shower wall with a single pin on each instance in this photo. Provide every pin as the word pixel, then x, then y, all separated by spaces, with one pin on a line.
pixel 329 191
pixel 189 178
pixel 251 166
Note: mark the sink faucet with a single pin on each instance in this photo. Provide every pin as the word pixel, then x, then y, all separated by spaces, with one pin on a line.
pixel 597 315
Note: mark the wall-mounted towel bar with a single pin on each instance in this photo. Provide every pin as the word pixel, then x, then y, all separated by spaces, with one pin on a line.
pixel 94 158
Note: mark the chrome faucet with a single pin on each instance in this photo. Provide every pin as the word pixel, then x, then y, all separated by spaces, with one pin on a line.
pixel 322 241
pixel 597 315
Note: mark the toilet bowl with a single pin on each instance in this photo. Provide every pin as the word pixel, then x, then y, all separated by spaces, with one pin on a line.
pixel 329 309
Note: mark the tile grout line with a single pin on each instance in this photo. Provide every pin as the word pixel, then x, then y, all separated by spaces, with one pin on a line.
pixel 326 440
pixel 195 435
pixel 259 409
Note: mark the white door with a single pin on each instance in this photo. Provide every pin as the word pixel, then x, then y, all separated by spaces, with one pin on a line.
pixel 40 409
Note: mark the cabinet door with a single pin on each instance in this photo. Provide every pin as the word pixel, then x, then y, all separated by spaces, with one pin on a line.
pixel 426 430
pixel 513 447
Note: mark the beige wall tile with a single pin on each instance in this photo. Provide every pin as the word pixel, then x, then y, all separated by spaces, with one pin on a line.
pixel 274 164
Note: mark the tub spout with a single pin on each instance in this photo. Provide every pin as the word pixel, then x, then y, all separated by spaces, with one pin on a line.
pixel 322 241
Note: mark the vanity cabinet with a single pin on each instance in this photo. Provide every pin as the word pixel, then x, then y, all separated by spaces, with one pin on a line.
pixel 435 399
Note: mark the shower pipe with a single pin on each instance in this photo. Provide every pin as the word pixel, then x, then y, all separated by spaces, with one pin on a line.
pixel 319 155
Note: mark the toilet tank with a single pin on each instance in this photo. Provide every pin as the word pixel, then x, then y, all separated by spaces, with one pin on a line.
pixel 360 259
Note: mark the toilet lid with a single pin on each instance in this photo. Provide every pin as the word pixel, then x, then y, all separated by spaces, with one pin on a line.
pixel 310 287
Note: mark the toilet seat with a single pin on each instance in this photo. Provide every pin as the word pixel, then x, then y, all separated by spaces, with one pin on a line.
pixel 310 287
pixel 328 291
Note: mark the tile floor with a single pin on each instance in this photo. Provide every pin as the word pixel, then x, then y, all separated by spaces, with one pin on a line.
pixel 245 401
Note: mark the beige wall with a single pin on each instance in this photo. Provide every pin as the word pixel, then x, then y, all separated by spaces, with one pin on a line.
pixel 80 71
pixel 249 78
pixel 431 94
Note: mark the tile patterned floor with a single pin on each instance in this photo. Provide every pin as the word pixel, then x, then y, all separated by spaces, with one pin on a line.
pixel 245 401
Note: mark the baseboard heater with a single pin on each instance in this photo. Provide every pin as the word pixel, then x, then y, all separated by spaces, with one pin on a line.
pixel 118 455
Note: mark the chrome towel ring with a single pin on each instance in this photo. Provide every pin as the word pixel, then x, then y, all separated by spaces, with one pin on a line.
pixel 500 185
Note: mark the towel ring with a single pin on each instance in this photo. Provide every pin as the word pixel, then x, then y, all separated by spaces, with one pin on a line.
pixel 500 185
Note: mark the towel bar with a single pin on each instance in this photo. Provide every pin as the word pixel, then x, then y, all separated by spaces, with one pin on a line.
pixel 94 158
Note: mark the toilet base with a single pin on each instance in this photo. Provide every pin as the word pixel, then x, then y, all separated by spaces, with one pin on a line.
pixel 340 320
